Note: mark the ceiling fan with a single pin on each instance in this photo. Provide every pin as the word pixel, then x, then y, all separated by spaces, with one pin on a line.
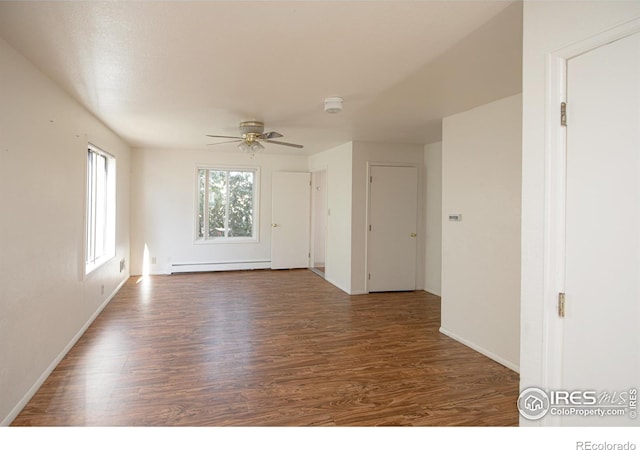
pixel 253 135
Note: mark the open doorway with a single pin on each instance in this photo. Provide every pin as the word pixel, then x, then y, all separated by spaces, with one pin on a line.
pixel 318 236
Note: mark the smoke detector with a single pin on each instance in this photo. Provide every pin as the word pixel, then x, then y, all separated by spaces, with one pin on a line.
pixel 333 105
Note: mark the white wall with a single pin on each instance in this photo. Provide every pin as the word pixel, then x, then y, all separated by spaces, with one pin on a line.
pixel 433 217
pixel 548 27
pixel 373 152
pixel 338 164
pixel 163 203
pixel 481 179
pixel 45 301
pixel 163 207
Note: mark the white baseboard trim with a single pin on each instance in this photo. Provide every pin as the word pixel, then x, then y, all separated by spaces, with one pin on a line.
pixel 217 267
pixel 479 349
pixel 432 291
pixel 43 377
pixel 337 285
pixel 358 292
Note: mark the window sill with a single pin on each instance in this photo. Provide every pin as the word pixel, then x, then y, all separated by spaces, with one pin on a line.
pixel 89 269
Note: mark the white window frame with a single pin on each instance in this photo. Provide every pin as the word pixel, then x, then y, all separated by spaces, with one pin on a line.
pixel 100 226
pixel 256 205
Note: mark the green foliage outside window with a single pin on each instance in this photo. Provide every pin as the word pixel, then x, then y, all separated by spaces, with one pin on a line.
pixel 225 203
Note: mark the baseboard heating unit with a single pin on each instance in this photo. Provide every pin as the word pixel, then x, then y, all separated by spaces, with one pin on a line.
pixel 219 266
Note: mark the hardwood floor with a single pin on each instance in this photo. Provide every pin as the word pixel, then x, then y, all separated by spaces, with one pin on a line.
pixel 267 348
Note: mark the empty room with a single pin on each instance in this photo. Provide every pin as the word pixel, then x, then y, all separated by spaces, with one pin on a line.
pixel 319 213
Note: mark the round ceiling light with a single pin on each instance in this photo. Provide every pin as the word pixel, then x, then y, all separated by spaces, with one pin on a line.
pixel 333 105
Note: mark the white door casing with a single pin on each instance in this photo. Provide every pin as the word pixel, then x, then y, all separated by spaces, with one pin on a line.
pixel 318 217
pixel 290 220
pixel 391 240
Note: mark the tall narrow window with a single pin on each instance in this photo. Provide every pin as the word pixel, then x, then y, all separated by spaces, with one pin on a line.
pixel 226 204
pixel 100 208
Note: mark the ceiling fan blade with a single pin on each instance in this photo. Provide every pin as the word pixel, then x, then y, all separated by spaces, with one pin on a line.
pixel 226 137
pixel 270 135
pixel 283 143
pixel 225 142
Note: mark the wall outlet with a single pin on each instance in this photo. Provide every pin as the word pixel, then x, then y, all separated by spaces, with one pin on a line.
pixel 153 260
pixel 102 289
pixel 122 265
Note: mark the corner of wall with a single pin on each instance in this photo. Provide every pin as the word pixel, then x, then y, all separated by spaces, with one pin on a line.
pixel 481 180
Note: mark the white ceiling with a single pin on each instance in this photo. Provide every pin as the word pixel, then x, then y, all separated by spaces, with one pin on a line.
pixel 164 74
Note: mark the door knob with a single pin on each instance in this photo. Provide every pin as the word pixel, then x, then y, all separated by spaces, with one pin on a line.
pixel 413 235
pixel 274 225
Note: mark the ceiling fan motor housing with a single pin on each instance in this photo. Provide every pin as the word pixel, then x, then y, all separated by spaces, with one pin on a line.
pixel 251 127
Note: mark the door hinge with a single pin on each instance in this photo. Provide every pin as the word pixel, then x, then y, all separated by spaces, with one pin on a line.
pixel 369 276
pixel 371 179
pixel 561 301
pixel 563 114
pixel 369 227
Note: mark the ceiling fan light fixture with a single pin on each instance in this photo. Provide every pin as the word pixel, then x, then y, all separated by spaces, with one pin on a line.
pixel 250 147
pixel 256 147
pixel 333 105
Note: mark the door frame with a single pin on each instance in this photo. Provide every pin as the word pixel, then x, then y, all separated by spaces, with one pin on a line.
pixel 371 164
pixel 312 224
pixel 555 152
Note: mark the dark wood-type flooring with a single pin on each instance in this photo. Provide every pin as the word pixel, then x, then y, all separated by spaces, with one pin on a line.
pixel 266 348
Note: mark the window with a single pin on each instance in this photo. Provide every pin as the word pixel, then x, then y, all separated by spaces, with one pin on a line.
pixel 226 204
pixel 100 208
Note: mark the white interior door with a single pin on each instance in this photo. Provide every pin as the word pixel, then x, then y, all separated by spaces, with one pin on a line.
pixel 391 245
pixel 290 220
pixel 601 348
